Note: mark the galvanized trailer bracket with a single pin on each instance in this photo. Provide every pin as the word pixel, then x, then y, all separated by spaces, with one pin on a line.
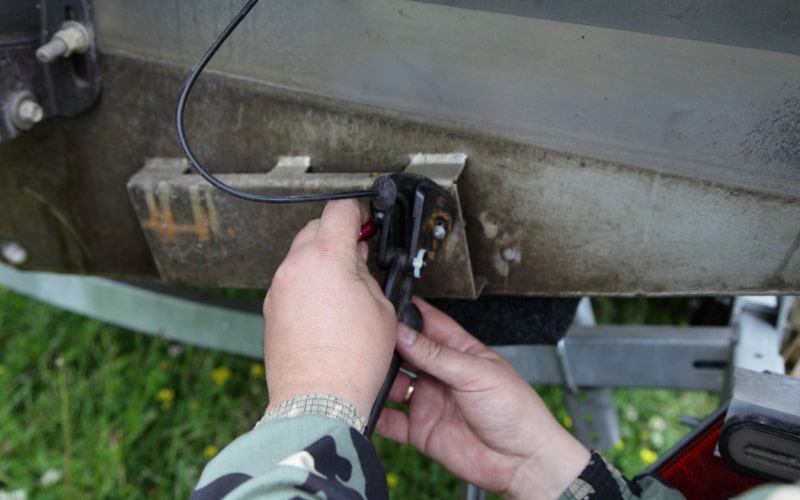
pixel 201 236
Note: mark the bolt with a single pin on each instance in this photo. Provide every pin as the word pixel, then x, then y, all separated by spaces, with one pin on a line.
pixel 13 253
pixel 30 111
pixel 512 255
pixel 25 111
pixel 439 232
pixel 72 38
pixel 52 50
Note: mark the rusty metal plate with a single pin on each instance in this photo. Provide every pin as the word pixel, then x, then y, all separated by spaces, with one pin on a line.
pixel 538 221
pixel 202 236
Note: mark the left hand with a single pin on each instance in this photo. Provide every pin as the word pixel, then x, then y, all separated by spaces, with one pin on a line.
pixel 472 412
pixel 329 328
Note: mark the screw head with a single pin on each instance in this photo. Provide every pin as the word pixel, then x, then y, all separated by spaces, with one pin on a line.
pixel 13 253
pixel 439 232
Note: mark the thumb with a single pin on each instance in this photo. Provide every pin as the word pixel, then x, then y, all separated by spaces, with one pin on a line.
pixel 449 365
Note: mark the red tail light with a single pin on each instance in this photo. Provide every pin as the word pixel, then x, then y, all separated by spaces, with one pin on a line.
pixel 695 470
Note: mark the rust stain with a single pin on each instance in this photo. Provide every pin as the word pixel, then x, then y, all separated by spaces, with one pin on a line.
pixel 213 217
pixel 199 214
pixel 162 222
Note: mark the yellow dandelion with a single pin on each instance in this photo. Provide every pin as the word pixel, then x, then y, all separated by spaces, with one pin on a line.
pixel 619 445
pixel 220 375
pixel 257 370
pixel 391 479
pixel 210 451
pixel 648 456
pixel 2 370
pixel 165 397
pixel 566 421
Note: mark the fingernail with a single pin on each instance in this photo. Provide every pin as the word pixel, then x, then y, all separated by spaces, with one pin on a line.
pixel 364 249
pixel 405 334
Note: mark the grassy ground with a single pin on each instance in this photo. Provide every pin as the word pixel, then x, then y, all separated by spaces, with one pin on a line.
pixel 89 410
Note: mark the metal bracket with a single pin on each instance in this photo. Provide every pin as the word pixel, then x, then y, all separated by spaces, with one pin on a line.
pixel 759 332
pixel 200 236
pixel 65 83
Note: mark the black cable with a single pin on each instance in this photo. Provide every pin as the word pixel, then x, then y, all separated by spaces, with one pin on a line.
pixel 383 394
pixel 187 87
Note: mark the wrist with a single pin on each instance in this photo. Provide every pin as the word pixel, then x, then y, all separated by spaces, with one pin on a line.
pixel 550 471
pixel 288 388
pixel 323 404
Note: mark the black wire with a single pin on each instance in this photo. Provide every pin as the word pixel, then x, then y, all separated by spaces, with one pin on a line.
pixel 187 87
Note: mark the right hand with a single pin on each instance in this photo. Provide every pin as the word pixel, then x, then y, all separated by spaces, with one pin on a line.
pixel 329 329
pixel 473 412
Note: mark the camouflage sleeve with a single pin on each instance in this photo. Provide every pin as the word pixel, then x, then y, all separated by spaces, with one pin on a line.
pixel 600 480
pixel 309 447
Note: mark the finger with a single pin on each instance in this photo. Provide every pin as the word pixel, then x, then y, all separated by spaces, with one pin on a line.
pixel 363 251
pixel 306 235
pixel 451 366
pixel 400 388
pixel 393 424
pixel 366 277
pixel 342 218
pixel 374 288
pixel 441 328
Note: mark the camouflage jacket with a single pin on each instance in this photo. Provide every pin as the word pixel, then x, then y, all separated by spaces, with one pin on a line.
pixel 314 447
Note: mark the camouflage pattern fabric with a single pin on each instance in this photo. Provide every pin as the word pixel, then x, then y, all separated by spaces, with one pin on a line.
pixel 295 453
pixel 600 481
pixel 306 456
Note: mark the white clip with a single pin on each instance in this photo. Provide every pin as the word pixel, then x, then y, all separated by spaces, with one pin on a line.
pixel 419 262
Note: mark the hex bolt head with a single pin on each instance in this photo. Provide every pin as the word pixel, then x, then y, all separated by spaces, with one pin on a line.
pixel 439 232
pixel 30 111
pixel 24 111
pixel 13 253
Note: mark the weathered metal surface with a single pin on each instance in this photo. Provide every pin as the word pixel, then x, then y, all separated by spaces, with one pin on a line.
pixel 757 24
pixel 65 86
pixel 202 236
pixel 721 111
pixel 601 161
pixel 538 221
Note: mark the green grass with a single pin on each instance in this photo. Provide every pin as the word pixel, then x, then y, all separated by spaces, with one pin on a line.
pixel 123 415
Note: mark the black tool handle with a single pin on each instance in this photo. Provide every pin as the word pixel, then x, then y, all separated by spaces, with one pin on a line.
pixel 397 287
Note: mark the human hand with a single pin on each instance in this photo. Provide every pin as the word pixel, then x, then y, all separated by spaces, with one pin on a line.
pixel 472 412
pixel 329 329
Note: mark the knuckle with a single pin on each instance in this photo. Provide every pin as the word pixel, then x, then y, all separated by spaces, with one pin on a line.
pixel 431 350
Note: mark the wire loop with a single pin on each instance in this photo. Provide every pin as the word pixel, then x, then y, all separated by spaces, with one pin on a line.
pixel 179 123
